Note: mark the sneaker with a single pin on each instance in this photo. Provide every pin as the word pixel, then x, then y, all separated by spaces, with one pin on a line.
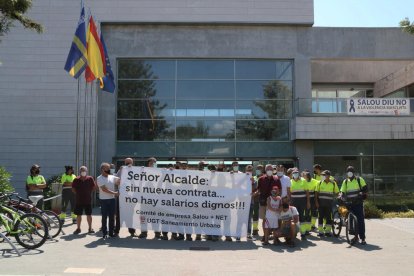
pixel 229 239
pixel 142 236
pixel 237 239
pixel 91 231
pixel 303 237
pixel 265 243
pixel 249 237
pixel 77 231
pixel 363 242
pixel 321 234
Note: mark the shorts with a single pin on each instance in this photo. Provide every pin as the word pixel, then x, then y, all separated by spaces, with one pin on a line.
pixel 85 207
pixel 262 212
pixel 272 220
pixel 286 230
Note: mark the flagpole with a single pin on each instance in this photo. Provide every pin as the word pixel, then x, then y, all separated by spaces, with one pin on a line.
pixel 84 126
pixel 95 158
pixel 77 127
pixel 90 130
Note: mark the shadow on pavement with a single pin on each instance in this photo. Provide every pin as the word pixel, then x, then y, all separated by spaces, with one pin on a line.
pixel 10 253
pixel 367 247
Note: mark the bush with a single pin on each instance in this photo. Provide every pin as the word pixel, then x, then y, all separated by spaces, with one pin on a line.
pixel 408 214
pixel 47 192
pixel 372 211
pixel 5 185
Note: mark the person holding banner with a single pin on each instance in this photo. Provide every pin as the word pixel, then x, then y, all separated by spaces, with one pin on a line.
pixel 272 216
pixel 107 194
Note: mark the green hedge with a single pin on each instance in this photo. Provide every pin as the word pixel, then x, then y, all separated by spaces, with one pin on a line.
pixel 5 185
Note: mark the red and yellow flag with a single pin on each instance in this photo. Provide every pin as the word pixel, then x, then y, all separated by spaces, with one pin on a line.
pixel 96 55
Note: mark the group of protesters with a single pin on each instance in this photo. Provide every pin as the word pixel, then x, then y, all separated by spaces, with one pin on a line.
pixel 287 201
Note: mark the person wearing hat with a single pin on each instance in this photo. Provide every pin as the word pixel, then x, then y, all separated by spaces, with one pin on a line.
pixel 300 199
pixel 274 203
pixel 324 196
pixel 355 189
pixel 67 194
pixel 35 183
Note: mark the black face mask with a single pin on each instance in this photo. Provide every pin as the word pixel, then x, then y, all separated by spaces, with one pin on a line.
pixel 36 171
pixel 285 206
pixel 107 171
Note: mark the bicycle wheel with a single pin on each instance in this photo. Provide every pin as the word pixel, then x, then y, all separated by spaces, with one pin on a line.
pixel 31 231
pixel 53 223
pixel 336 224
pixel 351 229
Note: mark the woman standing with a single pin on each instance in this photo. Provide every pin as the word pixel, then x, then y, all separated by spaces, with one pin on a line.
pixel 35 183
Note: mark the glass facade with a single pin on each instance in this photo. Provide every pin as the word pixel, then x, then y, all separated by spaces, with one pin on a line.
pixel 204 108
pixel 387 166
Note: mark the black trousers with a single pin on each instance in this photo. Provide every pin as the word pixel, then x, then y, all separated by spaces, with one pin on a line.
pixel 300 204
pixel 325 212
pixel 68 197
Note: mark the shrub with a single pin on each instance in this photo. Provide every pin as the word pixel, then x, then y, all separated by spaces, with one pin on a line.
pixel 372 211
pixel 408 214
pixel 47 192
pixel 5 185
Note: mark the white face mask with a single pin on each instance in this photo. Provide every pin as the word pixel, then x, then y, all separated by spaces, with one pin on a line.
pixel 83 174
pixel 280 174
pixel 269 173
pixel 295 175
pixel 235 168
pixel 154 165
pixel 350 174
pixel 112 171
pixel 258 172
pixel 129 165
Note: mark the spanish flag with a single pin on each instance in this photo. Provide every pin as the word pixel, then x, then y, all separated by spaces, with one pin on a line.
pixel 76 60
pixel 96 55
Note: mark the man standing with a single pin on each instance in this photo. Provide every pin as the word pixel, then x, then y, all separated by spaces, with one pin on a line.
pixel 107 194
pixel 355 189
pixel 324 196
pixel 264 189
pixel 83 187
pixel 285 182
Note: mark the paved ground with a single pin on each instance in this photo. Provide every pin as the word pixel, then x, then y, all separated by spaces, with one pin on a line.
pixel 389 252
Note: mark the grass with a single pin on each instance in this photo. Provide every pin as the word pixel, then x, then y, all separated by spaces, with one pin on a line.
pixel 407 214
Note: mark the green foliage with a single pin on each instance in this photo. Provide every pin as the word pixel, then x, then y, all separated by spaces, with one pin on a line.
pixel 372 211
pixel 14 10
pixel 47 192
pixel 407 26
pixel 5 185
pixel 408 214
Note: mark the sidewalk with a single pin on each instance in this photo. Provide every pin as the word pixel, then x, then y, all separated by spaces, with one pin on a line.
pixel 389 252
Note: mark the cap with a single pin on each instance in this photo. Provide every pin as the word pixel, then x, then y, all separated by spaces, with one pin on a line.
pixel 326 172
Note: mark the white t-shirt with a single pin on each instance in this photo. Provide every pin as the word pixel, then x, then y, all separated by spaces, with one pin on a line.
pixel 289 214
pixel 285 182
pixel 109 183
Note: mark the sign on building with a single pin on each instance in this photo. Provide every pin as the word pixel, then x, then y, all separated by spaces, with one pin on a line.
pixel 378 106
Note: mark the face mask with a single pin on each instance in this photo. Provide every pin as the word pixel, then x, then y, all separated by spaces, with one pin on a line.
pixel 83 174
pixel 269 173
pixel 350 174
pixel 280 174
pixel 154 165
pixel 258 172
pixel 129 165
pixel 235 168
pixel 112 171
pixel 295 175
pixel 107 171
pixel 285 206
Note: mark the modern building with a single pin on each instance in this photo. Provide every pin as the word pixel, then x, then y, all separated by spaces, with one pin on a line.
pixel 208 80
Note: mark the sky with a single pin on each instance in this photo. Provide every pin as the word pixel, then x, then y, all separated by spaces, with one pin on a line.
pixel 362 13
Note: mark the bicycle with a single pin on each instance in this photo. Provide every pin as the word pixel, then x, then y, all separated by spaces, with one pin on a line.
pixel 52 220
pixel 343 216
pixel 30 230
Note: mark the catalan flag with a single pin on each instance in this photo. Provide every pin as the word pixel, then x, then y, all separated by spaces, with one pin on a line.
pixel 96 56
pixel 77 59
pixel 107 83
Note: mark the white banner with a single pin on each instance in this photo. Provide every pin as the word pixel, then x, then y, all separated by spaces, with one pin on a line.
pixel 185 201
pixel 378 106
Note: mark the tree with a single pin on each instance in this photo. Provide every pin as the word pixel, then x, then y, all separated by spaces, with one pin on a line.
pixel 14 10
pixel 407 26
